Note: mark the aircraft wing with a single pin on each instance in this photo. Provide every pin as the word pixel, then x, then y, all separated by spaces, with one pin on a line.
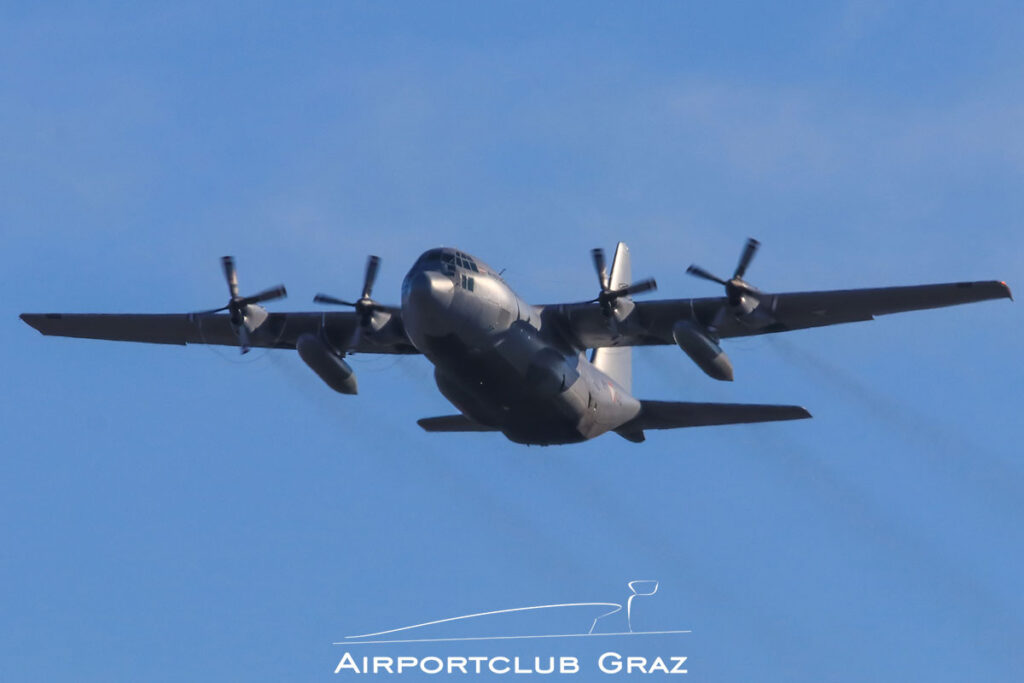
pixel 278 331
pixel 585 326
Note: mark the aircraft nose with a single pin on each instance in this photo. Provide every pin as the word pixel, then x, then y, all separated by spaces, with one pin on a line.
pixel 427 294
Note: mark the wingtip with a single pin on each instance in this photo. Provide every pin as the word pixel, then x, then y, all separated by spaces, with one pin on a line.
pixel 1006 287
pixel 31 319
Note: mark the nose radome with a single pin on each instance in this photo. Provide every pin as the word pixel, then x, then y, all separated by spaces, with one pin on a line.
pixel 428 292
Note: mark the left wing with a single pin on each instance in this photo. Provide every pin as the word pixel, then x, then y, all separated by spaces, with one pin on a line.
pixel 277 331
pixel 584 325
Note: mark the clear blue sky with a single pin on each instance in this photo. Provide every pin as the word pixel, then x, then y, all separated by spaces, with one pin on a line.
pixel 180 514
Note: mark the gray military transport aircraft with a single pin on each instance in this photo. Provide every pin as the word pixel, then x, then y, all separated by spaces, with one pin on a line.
pixel 520 369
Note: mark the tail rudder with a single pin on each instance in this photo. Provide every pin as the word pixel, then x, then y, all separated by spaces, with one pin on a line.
pixel 617 361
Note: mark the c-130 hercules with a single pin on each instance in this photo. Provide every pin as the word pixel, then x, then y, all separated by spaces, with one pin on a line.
pixel 520 369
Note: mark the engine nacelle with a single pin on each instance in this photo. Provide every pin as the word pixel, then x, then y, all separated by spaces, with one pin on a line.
pixel 327 364
pixel 702 350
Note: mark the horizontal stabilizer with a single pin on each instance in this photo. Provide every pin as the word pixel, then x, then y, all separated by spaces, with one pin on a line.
pixel 675 414
pixel 453 423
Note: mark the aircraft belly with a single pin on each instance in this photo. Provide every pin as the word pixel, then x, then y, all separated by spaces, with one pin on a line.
pixel 516 383
pixel 528 390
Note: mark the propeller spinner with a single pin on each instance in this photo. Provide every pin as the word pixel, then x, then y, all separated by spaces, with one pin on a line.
pixel 237 305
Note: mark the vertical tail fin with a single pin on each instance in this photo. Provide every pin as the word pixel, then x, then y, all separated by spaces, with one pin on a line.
pixel 617 361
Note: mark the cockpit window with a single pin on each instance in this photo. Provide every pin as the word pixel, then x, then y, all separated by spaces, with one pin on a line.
pixel 462 261
pixel 431 255
pixel 450 260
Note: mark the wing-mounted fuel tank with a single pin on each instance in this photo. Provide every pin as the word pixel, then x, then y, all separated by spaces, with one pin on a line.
pixel 327 363
pixel 703 350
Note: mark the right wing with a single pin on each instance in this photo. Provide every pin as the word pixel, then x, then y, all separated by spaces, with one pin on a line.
pixel 584 325
pixel 278 331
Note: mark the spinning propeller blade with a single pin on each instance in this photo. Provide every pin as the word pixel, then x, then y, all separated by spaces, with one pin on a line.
pixel 278 292
pixel 607 296
pixel 325 299
pixel 365 305
pixel 231 275
pixel 372 266
pixel 701 273
pixel 746 257
pixel 236 304
pixel 647 285
pixel 735 288
pixel 599 266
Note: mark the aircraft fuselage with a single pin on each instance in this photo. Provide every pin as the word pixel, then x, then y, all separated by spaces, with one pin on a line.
pixel 493 361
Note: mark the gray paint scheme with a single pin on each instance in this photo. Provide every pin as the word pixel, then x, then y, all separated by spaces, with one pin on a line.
pixel 520 369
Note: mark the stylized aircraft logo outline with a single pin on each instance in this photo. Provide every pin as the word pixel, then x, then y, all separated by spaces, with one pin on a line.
pixel 637 588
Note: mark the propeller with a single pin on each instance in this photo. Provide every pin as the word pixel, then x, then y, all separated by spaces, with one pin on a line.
pixel 236 306
pixel 365 306
pixel 736 287
pixel 608 296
